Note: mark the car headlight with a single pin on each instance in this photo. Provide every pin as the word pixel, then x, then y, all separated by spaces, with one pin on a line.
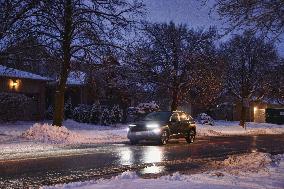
pixel 157 130
pixel 131 125
pixel 152 125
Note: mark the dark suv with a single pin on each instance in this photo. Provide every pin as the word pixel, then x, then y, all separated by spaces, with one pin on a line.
pixel 161 126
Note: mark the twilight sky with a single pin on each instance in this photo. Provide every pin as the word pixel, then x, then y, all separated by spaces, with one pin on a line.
pixel 190 12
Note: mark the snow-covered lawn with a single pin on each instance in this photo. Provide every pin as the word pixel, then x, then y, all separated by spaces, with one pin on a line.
pixel 255 170
pixel 225 128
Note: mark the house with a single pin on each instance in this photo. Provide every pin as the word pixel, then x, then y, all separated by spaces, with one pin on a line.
pixel 267 110
pixel 29 84
pixel 258 111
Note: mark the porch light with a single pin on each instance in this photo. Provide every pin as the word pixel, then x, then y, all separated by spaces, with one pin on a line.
pixel 14 84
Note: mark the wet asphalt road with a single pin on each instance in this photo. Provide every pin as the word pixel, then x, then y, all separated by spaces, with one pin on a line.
pixel 147 159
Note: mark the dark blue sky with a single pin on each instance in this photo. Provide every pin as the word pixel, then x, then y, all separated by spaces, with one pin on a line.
pixel 190 12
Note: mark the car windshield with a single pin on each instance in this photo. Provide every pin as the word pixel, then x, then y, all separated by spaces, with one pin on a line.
pixel 158 116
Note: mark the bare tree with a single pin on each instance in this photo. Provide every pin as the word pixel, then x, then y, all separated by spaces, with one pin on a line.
pixel 81 30
pixel 260 16
pixel 167 57
pixel 14 19
pixel 275 89
pixel 27 54
pixel 249 60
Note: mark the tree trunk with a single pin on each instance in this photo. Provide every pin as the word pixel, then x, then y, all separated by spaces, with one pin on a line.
pixel 243 116
pixel 59 108
pixel 66 47
pixel 174 104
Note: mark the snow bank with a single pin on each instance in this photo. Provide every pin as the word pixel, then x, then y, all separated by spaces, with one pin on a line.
pixel 127 175
pixel 247 163
pixel 51 134
pixel 75 133
pixel 273 177
pixel 226 128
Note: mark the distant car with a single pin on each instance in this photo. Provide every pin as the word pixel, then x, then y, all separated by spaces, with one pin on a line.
pixel 205 119
pixel 161 126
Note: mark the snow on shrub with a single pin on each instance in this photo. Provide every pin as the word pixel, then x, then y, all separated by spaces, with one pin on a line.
pixel 116 114
pixel 105 119
pixel 138 112
pixel 203 118
pixel 52 134
pixel 95 114
pixel 82 113
pixel 144 108
pixel 13 106
pixel 49 112
pixel 68 109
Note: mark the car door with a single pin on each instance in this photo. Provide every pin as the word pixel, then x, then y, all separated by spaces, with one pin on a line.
pixel 175 123
pixel 184 121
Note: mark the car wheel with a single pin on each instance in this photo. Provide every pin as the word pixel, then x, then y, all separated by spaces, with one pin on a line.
pixel 133 142
pixel 190 137
pixel 164 138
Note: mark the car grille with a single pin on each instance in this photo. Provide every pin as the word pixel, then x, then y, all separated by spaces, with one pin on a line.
pixel 138 128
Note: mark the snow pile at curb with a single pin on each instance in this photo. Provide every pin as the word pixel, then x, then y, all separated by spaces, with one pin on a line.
pixel 127 175
pixel 247 163
pixel 174 177
pixel 51 134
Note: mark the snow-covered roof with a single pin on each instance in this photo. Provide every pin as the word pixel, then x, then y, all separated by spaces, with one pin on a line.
pixel 11 72
pixel 76 78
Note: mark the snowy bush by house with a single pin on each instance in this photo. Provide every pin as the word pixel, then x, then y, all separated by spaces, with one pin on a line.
pixel 68 109
pixel 145 108
pixel 95 114
pixel 116 114
pixel 106 118
pixel 138 112
pixel 51 134
pixel 203 118
pixel 82 113
pixel 49 112
pixel 13 106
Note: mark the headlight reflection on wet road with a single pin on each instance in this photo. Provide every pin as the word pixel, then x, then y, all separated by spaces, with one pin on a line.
pixel 126 157
pixel 152 154
pixel 148 154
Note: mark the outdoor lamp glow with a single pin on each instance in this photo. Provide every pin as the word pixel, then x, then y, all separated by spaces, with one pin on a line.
pixel 153 125
pixel 14 84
